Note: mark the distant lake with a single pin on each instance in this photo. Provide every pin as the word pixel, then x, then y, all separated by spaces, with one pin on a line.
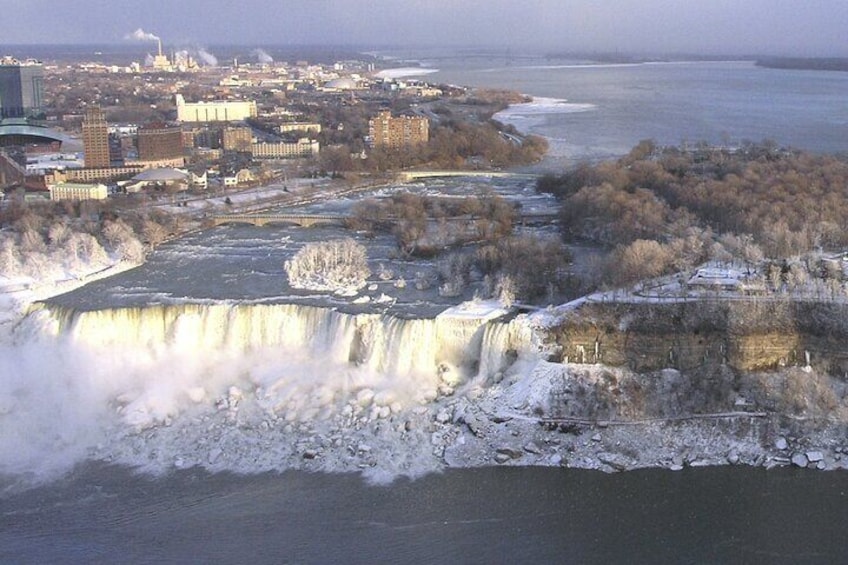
pixel 611 107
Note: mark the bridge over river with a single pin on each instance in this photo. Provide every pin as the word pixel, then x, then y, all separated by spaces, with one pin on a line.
pixel 302 220
pixel 310 220
pixel 408 176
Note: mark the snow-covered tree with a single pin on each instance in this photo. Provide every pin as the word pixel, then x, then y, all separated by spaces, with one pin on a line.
pixel 10 261
pixel 454 271
pixel 30 241
pixel 94 252
pixel 38 265
pixel 58 232
pixel 335 265
pixel 506 290
pixel 123 241
pixel 154 232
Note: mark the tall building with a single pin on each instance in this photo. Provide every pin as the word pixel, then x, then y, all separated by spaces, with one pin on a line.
pixel 159 141
pixel 95 139
pixel 21 88
pixel 202 136
pixel 237 139
pixel 393 133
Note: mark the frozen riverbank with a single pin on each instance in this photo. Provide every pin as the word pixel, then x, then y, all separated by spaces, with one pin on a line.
pixel 479 425
pixel 19 293
pixel 238 436
pixel 270 388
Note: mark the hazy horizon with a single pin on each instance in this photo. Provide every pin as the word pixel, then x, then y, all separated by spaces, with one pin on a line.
pixel 471 49
pixel 725 27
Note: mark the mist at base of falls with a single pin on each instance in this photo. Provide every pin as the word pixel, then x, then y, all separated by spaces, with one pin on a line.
pixel 143 386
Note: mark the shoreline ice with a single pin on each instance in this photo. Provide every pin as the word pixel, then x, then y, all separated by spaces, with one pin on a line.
pixel 542 106
pixel 405 72
pixel 529 117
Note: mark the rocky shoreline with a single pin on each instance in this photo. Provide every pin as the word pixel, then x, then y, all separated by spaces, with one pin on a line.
pixel 479 424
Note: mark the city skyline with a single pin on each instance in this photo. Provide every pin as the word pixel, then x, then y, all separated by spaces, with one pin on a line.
pixel 657 26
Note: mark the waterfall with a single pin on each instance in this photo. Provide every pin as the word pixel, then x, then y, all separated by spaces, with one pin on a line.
pixel 72 379
pixel 396 346
pixel 383 344
pixel 501 344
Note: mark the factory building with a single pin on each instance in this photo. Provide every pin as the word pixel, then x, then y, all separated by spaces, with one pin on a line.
pixel 217 111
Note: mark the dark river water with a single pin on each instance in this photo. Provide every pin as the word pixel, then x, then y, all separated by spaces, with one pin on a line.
pixel 488 515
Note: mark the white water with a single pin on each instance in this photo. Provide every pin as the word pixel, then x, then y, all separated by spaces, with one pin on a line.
pixel 147 386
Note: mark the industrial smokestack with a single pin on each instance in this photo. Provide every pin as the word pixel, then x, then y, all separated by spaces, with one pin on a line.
pixel 160 46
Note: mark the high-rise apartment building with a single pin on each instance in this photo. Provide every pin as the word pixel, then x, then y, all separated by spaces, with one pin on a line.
pixel 237 139
pixel 21 88
pixel 159 141
pixel 393 133
pixel 95 139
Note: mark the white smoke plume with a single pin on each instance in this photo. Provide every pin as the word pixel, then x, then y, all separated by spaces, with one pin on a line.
pixel 262 56
pixel 141 35
pixel 207 58
pixel 182 57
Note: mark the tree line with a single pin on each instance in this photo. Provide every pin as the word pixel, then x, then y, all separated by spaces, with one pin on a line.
pixel 452 145
pixel 664 209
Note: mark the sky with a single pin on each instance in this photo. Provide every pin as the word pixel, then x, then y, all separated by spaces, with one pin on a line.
pixel 766 27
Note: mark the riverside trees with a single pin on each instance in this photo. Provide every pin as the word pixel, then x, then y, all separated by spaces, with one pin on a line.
pixel 523 267
pixel 453 145
pixel 694 204
pixel 424 225
pixel 60 239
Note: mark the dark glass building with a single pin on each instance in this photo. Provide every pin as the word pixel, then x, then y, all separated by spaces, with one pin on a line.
pixel 21 88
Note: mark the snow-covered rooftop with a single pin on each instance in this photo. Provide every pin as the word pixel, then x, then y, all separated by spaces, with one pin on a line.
pixel 162 175
pixel 715 276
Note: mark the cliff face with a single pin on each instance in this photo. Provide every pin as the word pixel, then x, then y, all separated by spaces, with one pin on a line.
pixel 747 336
pixel 648 360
